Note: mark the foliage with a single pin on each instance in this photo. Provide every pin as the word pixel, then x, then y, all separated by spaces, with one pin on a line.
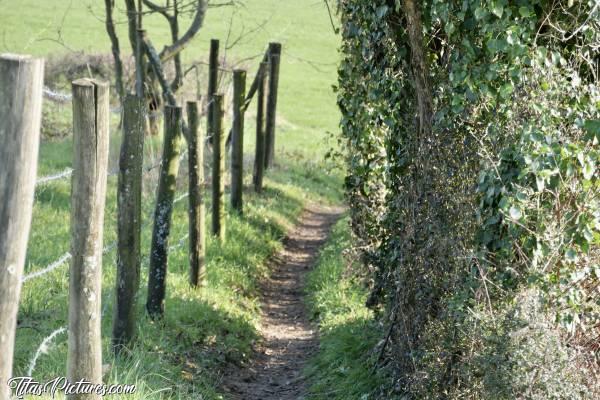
pixel 498 203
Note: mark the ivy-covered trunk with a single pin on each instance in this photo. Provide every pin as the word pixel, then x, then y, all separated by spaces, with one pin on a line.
pixel 472 130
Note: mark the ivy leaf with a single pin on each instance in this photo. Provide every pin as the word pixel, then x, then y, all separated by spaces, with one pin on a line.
pixel 588 169
pixel 592 127
pixel 571 255
pixel 506 90
pixel 480 13
pixel 381 11
pixel 515 213
pixel 498 9
pixel 525 12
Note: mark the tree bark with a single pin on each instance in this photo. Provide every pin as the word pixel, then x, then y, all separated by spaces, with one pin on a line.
pixel 129 200
pixel 164 209
pixel 419 66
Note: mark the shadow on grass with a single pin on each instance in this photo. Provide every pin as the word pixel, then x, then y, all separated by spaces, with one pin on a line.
pixel 344 368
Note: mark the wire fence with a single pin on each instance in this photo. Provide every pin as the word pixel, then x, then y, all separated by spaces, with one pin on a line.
pixel 48 341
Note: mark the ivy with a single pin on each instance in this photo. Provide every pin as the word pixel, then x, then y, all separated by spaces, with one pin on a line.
pixel 504 203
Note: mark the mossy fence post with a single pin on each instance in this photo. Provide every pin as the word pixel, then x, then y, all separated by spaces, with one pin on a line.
pixel 218 169
pixel 129 201
pixel 274 58
pixel 237 140
pixel 88 195
pixel 213 81
pixel 21 82
pixel 259 157
pixel 169 169
pixel 197 209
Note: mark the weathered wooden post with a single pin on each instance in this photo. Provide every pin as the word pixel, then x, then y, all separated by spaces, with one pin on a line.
pixel 21 82
pixel 274 56
pixel 169 169
pixel 213 81
pixel 196 190
pixel 129 201
pixel 88 194
pixel 218 169
pixel 237 140
pixel 259 158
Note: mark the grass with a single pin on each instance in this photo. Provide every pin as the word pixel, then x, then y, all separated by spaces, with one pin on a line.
pixel 180 357
pixel 344 366
pixel 203 329
pixel 306 105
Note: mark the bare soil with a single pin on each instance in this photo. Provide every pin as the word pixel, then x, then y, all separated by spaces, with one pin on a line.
pixel 289 339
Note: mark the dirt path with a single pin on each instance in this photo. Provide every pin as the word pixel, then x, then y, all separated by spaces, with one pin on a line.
pixel 289 339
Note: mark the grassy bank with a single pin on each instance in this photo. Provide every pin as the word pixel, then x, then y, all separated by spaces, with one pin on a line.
pixel 344 366
pixel 203 330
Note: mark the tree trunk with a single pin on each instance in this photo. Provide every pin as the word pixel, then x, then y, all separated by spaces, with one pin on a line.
pixel 129 201
pixel 419 66
pixel 164 209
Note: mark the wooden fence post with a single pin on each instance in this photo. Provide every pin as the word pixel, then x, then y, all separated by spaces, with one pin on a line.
pixel 164 209
pixel 88 195
pixel 237 143
pixel 274 56
pixel 218 169
pixel 259 158
pixel 213 80
pixel 129 200
pixel 196 190
pixel 21 82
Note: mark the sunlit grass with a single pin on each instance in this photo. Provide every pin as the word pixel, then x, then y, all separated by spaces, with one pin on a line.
pixel 344 367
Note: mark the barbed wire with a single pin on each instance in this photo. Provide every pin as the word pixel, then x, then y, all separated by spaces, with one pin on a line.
pixel 51 267
pixel 64 98
pixel 43 348
pixel 67 255
pixel 67 172
pixel 56 96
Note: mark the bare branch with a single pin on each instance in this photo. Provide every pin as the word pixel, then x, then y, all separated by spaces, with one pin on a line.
pixel 170 51
pixel 116 52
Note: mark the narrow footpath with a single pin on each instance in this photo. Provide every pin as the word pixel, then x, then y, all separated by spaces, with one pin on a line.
pixel 289 339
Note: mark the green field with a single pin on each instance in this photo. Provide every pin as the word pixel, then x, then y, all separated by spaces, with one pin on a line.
pixel 307 107
pixel 203 331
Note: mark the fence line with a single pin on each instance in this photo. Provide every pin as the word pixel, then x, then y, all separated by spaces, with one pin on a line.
pixel 58 97
pixel 67 256
pixel 44 345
